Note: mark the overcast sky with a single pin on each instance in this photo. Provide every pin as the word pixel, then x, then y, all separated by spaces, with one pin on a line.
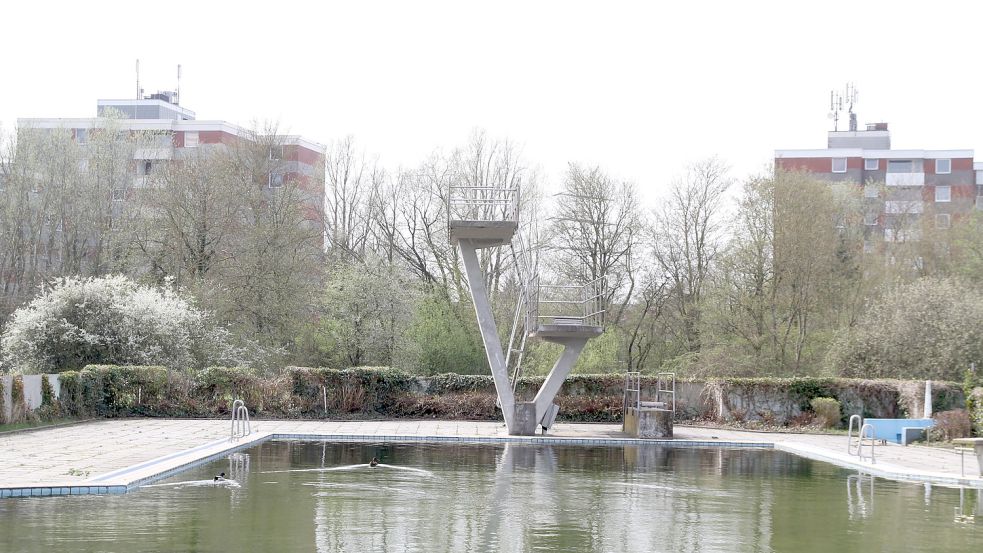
pixel 640 89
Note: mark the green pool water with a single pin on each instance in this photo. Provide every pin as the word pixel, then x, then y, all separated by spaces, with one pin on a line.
pixel 315 496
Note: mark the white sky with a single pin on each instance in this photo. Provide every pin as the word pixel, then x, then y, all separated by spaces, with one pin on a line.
pixel 638 88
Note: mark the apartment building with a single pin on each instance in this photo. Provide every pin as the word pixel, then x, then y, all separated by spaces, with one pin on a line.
pixel 180 134
pixel 903 189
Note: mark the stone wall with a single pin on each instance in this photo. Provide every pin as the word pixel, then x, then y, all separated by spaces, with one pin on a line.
pixel 298 392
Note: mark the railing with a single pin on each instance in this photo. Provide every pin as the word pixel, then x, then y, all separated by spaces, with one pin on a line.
pixel 517 336
pixel 864 434
pixel 665 390
pixel 240 420
pixel 566 304
pixel 482 203
pixel 633 394
pixel 849 433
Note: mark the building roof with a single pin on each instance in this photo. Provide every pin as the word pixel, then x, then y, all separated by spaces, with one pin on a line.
pixel 172 125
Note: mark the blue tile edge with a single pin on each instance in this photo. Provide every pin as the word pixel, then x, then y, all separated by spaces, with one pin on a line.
pixel 54 491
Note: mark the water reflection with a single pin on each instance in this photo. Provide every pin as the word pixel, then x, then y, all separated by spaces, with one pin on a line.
pixel 319 496
pixel 858 505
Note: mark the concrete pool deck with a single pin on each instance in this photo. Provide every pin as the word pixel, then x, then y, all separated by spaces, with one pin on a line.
pixel 112 456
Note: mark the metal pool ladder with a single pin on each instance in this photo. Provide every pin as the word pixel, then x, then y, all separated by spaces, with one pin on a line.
pixel 240 420
pixel 866 432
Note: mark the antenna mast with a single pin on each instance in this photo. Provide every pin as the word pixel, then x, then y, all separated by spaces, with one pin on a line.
pixel 837 100
pixel 138 79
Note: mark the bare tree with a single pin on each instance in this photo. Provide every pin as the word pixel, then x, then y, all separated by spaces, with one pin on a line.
pixel 595 232
pixel 687 238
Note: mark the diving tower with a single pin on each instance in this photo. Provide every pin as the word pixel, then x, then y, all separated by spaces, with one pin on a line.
pixel 567 314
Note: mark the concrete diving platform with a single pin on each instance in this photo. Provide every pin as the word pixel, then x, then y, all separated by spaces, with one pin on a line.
pixel 487 233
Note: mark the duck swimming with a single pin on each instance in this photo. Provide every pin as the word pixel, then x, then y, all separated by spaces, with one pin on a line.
pixel 220 477
pixel 374 462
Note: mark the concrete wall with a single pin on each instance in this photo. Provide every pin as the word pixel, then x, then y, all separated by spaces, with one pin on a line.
pixel 32 391
pixel 33 395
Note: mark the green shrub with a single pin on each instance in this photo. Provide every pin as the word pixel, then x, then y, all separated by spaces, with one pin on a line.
pixel 18 410
pixel 47 392
pixel 827 411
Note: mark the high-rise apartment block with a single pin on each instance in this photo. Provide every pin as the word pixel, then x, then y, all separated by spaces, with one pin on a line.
pixel 904 190
pixel 179 135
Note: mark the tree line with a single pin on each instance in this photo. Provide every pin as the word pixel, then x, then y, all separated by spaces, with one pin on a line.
pixel 770 274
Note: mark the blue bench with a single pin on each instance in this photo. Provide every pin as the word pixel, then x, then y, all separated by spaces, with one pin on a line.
pixel 892 430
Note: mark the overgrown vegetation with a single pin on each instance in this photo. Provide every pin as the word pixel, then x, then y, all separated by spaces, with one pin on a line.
pixel 785 282
pixel 383 392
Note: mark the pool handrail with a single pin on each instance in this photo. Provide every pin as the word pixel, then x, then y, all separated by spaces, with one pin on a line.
pixel 860 444
pixel 849 434
pixel 240 420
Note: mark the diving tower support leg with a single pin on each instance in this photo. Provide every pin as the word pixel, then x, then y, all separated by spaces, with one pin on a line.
pixel 561 369
pixel 489 332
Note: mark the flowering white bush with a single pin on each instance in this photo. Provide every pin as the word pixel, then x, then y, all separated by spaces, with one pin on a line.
pixel 109 320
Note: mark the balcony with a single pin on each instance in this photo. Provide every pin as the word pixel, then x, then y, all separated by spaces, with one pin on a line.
pixel 904 207
pixel 154 153
pixel 906 179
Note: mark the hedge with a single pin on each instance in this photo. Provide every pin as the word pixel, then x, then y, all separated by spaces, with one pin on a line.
pixel 382 392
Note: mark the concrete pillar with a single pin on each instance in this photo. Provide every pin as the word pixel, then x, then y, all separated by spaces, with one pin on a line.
pixel 561 369
pixel 55 382
pixel 648 423
pixel 489 331
pixel 526 420
pixel 32 391
pixel 928 399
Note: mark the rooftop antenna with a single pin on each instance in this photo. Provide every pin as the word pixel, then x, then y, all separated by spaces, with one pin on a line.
pixel 177 91
pixel 139 92
pixel 837 101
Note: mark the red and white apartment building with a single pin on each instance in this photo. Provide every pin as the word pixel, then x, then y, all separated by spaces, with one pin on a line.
pixel 297 158
pixel 903 189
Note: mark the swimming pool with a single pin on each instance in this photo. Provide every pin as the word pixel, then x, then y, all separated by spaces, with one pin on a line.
pixel 320 496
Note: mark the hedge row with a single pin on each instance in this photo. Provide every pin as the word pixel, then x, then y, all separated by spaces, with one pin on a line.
pixel 380 392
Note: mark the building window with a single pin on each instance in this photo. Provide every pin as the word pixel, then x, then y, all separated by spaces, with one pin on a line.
pixel 872 164
pixel 118 194
pixel 943 194
pixel 871 191
pixel 81 135
pixel 899 166
pixel 276 152
pixel 191 139
pixel 148 167
pixel 276 181
pixel 839 165
pixel 943 166
pixel 942 220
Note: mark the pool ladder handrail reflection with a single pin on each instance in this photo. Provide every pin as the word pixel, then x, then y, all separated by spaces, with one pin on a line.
pixel 240 420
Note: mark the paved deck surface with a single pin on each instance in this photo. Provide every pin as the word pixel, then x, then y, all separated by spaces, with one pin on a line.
pixel 100 451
